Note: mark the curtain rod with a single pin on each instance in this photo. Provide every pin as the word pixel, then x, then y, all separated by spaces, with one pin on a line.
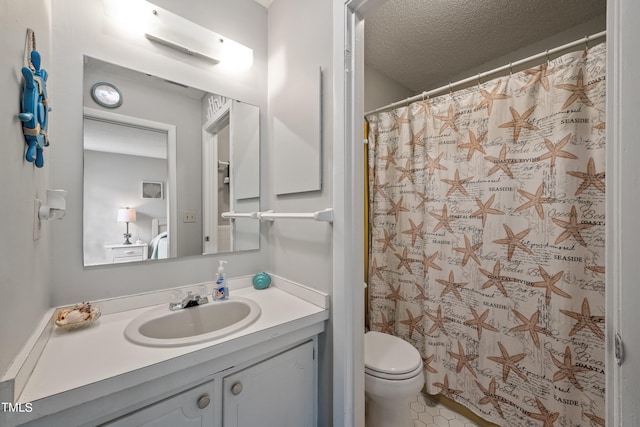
pixel 423 95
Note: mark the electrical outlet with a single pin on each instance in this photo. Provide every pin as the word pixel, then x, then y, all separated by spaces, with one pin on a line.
pixel 189 216
pixel 36 219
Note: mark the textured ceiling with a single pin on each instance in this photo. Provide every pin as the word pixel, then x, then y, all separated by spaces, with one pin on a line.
pixel 421 43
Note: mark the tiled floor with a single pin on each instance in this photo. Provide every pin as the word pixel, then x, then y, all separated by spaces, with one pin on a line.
pixel 427 413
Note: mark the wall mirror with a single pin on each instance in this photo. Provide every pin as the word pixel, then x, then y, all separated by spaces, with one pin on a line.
pixel 160 166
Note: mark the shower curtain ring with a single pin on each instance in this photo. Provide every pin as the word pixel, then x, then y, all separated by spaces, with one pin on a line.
pixel 450 92
pixel 586 42
pixel 547 54
pixel 479 77
pixel 510 69
pixel 423 95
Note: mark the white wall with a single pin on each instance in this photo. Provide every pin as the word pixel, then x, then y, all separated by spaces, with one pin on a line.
pixel 98 35
pixel 25 271
pixel 301 250
pixel 380 90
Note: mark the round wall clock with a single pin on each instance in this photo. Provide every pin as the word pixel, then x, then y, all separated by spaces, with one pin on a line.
pixel 106 95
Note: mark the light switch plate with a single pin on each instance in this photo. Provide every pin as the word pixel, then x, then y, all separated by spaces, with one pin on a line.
pixel 189 216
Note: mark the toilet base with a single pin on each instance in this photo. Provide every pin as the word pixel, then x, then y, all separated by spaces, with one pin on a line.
pixel 388 413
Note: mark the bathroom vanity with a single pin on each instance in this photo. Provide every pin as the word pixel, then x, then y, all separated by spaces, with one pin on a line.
pixel 257 395
pixel 264 374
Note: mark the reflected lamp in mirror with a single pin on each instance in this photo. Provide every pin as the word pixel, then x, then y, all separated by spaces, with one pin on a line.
pixel 127 215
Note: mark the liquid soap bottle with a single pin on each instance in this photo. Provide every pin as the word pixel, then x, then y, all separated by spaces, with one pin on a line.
pixel 221 290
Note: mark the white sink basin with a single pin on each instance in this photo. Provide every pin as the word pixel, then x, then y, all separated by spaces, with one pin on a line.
pixel 161 327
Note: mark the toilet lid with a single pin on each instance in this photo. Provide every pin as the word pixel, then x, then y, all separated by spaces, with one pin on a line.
pixel 387 354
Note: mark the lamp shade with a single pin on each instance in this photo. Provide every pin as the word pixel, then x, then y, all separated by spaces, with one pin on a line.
pixel 126 215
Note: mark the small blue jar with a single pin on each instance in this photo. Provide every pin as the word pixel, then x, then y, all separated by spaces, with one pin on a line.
pixel 261 280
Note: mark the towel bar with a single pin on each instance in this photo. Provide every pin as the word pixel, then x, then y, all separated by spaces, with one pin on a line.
pixel 325 215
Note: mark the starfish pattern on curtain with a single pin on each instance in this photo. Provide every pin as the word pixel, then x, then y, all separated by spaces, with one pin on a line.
pixel 487 230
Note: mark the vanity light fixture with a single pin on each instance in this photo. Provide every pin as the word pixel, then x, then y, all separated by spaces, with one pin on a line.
pixel 127 215
pixel 187 37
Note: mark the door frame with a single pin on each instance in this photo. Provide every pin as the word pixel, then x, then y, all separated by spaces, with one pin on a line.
pixel 623 64
pixel 623 234
pixel 171 192
pixel 348 233
pixel 210 129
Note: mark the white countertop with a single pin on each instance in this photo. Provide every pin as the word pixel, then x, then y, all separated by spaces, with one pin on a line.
pixel 72 359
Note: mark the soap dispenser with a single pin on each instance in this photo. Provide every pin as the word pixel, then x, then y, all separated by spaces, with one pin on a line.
pixel 221 291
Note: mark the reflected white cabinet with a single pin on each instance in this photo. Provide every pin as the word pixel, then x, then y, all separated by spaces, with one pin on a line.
pixel 279 392
pixel 191 408
pixel 120 253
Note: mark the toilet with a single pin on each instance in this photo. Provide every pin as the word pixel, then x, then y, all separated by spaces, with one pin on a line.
pixel 393 375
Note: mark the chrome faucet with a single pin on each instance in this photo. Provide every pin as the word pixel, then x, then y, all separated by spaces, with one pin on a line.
pixel 190 300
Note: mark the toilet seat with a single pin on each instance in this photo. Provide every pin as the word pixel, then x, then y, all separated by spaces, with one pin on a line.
pixel 388 376
pixel 390 357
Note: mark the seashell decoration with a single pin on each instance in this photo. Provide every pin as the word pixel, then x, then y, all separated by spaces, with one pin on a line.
pixel 79 315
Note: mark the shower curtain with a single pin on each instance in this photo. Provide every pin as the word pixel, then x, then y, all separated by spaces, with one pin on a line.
pixel 487 241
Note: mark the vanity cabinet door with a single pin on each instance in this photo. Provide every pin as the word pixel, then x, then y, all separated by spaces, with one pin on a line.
pixel 279 392
pixel 191 408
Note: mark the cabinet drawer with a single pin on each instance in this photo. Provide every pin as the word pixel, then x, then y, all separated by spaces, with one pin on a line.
pixel 123 259
pixel 127 252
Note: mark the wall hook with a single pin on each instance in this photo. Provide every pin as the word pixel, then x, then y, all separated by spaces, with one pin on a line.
pixel 55 205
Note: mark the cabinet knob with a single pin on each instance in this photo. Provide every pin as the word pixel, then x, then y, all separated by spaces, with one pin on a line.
pixel 203 401
pixel 236 388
